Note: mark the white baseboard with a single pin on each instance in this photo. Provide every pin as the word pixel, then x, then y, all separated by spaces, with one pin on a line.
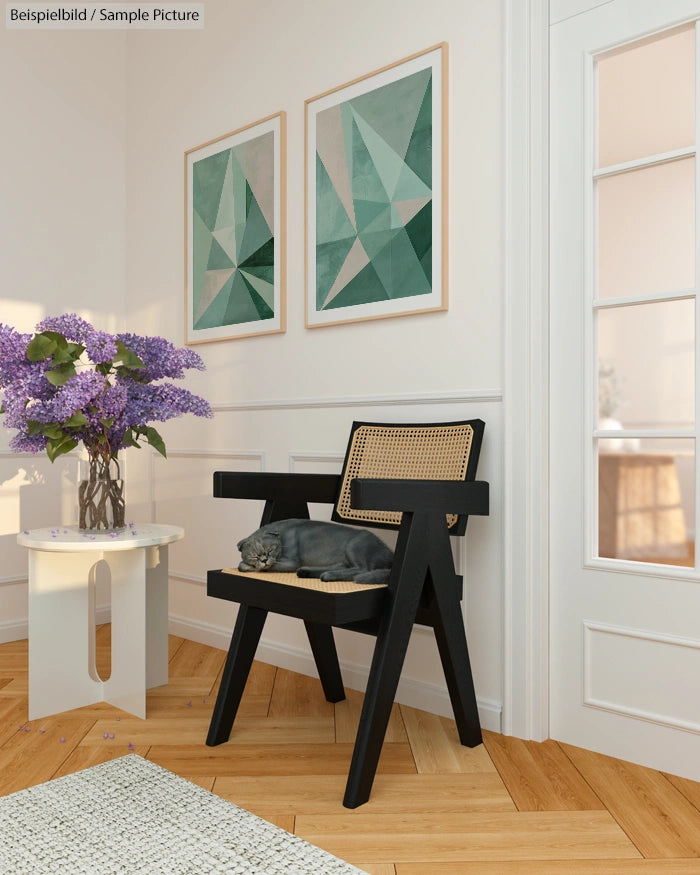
pixel 14 630
pixel 416 694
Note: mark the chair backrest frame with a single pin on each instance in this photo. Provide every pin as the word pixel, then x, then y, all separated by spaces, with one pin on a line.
pixel 397 450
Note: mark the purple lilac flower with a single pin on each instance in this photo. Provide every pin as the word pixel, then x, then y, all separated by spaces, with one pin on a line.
pixel 111 402
pixel 100 347
pixel 13 354
pixel 160 357
pixel 82 389
pixel 70 325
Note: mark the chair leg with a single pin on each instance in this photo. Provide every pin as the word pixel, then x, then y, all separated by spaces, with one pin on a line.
pixel 244 643
pixel 454 653
pixel 385 671
pixel 326 657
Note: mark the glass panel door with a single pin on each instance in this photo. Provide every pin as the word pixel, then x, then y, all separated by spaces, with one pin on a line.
pixel 644 313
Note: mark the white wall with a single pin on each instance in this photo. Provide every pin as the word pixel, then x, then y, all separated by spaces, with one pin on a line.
pixel 62 240
pixel 282 402
pixel 286 402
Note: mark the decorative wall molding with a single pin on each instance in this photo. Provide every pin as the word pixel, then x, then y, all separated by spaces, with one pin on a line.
pixel 416 694
pixel 13 581
pixel 638 635
pixel 241 455
pixel 466 397
pixel 322 458
pixel 526 345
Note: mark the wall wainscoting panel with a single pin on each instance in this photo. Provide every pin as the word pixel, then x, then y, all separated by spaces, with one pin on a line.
pixel 181 495
pixel 625 689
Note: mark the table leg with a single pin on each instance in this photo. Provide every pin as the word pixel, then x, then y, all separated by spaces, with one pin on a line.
pixel 126 687
pixel 139 626
pixel 156 616
pixel 61 628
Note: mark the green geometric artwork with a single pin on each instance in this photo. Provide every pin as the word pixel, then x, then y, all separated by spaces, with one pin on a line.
pixel 374 195
pixel 233 198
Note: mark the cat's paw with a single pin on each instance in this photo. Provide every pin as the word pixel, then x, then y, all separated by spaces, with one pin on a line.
pixel 243 566
pixel 305 572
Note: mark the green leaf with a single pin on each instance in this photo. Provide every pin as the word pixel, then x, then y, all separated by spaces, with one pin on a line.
pixel 129 438
pixel 127 358
pixel 34 427
pixel 59 376
pixel 40 347
pixel 53 431
pixel 77 420
pixel 57 448
pixel 155 440
pixel 108 423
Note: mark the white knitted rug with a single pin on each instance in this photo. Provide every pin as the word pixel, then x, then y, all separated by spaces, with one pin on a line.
pixel 132 816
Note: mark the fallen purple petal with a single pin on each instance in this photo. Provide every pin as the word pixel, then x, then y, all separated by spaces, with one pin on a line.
pixel 62 740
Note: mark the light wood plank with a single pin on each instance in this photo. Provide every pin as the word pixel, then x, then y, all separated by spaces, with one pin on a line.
pixel 174 644
pixel 690 789
pixel 436 745
pixel 347 719
pixel 84 757
pixel 283 821
pixel 273 759
pixel 13 715
pixel 539 776
pixel 192 729
pixel 196 660
pixel 555 835
pixel 296 695
pixel 555 867
pixel 32 757
pixel 377 868
pixel 653 813
pixel 391 794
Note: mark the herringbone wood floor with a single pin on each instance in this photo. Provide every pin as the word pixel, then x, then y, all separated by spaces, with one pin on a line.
pixel 437 808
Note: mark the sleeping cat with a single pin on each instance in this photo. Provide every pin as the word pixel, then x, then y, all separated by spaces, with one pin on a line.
pixel 314 548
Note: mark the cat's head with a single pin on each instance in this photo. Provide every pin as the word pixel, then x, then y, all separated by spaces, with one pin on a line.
pixel 261 551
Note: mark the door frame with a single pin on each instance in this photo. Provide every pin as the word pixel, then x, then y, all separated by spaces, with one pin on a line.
pixel 526 369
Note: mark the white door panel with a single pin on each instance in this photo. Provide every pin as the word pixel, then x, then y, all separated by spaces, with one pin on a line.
pixel 625 619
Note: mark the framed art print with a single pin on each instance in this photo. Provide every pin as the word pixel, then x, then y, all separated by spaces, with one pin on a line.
pixel 376 194
pixel 234 234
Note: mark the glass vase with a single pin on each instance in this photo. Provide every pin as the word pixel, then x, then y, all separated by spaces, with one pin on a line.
pixel 101 505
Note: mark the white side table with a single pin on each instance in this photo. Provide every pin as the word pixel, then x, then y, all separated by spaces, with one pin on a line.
pixel 62 669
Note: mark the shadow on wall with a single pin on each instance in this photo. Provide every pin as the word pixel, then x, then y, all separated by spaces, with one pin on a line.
pixel 33 495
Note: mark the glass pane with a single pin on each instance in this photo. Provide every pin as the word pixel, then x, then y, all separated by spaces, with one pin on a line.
pixel 646 366
pixel 646 230
pixel 646 500
pixel 646 98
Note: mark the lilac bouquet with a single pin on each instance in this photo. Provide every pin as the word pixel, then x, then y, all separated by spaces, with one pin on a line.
pixel 70 383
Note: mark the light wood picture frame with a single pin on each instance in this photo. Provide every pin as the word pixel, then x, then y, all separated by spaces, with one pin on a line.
pixel 376 194
pixel 235 218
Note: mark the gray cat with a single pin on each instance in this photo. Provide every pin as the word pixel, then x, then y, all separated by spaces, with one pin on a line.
pixel 314 548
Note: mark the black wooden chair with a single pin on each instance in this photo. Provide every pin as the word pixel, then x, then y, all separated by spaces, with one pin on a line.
pixel 418 479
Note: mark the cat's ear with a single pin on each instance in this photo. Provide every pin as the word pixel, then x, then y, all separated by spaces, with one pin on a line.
pixel 240 543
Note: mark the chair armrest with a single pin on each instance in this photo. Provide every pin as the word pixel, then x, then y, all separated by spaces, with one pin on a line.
pixel 440 496
pixel 270 485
